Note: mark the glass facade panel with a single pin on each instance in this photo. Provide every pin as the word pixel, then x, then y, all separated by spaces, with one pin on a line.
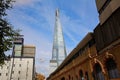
pixel 18 49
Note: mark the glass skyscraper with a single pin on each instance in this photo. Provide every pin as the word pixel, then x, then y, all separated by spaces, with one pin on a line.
pixel 59 50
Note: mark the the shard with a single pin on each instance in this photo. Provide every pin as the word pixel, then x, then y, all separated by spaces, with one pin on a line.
pixel 59 50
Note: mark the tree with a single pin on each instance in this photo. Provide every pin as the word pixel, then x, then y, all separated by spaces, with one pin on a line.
pixel 7 33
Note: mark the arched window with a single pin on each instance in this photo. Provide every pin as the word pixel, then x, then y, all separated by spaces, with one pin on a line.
pixel 69 77
pixel 86 76
pixel 62 78
pixel 112 69
pixel 81 75
pixel 98 75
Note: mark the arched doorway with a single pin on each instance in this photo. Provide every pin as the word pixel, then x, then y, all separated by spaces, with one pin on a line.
pixel 86 76
pixel 98 75
pixel 81 75
pixel 69 77
pixel 112 69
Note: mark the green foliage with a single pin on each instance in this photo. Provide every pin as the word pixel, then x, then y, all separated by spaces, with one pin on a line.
pixel 4 5
pixel 7 33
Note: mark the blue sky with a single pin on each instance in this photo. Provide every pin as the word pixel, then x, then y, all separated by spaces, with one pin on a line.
pixel 36 19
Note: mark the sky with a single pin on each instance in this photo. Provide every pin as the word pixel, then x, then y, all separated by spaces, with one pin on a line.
pixel 36 19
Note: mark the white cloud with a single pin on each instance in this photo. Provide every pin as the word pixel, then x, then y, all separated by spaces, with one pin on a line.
pixel 25 2
pixel 73 28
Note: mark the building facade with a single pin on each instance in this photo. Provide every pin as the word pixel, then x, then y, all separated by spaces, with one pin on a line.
pixel 96 57
pixel 39 76
pixel 77 62
pixel 59 50
pixel 20 66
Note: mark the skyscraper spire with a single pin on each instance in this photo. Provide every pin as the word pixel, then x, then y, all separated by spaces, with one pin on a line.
pixel 59 50
pixel 57 13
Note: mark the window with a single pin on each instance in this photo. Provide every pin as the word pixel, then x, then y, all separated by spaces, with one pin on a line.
pixel 19 65
pixel 98 75
pixel 0 74
pixel 112 69
pixel 12 72
pixel 19 72
pixel 6 74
